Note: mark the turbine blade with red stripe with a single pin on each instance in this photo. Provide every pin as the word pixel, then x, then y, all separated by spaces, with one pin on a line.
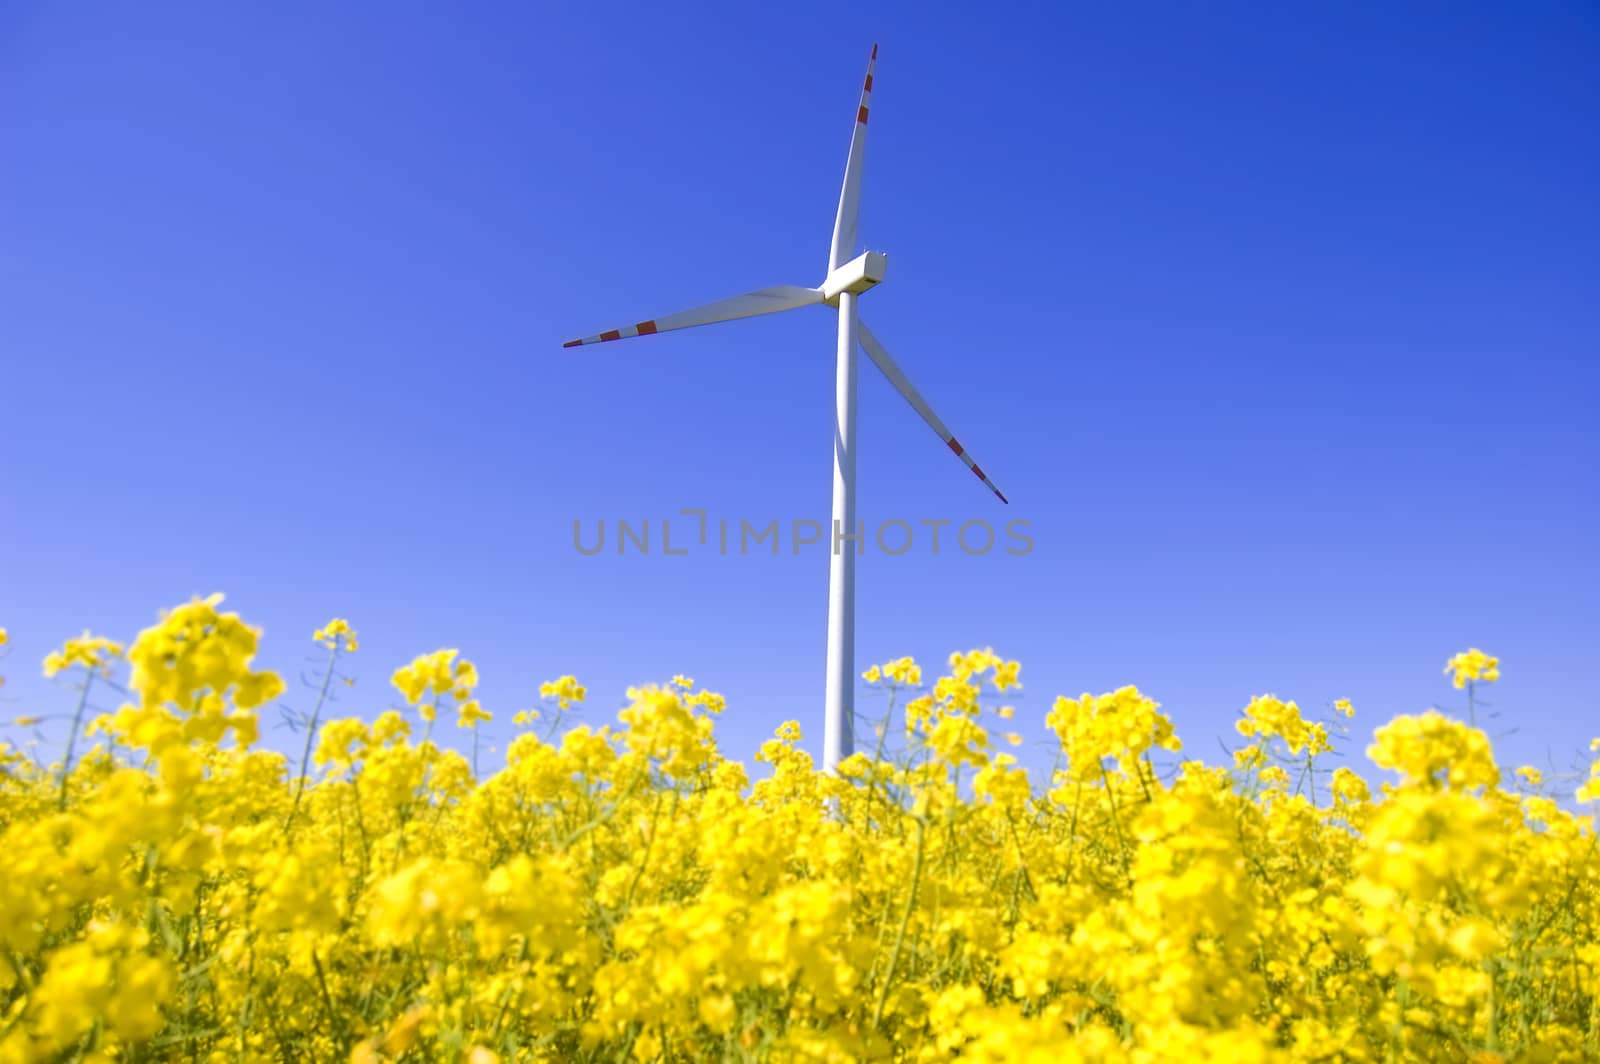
pixel 897 377
pixel 844 222
pixel 749 305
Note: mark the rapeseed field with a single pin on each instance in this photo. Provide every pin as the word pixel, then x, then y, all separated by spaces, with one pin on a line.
pixel 624 892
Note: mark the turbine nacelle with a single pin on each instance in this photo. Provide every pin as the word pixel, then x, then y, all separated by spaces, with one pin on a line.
pixel 857 275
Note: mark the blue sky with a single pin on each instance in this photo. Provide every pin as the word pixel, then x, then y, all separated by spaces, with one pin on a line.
pixel 1277 324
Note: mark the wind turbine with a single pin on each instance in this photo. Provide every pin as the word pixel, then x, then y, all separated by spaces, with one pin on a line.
pixel 843 285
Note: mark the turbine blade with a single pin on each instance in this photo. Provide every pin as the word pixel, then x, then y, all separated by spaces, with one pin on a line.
pixel 844 223
pixel 761 301
pixel 897 377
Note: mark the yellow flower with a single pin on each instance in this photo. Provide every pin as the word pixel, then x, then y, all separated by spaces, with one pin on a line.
pixel 682 681
pixel 565 691
pixel 872 675
pixel 331 634
pixel 903 671
pixel 95 653
pixel 1589 790
pixel 342 742
pixel 390 727
pixel 471 713
pixel 197 650
pixel 431 677
pixel 1471 665
pixel 1274 775
pixel 403 1034
pixel 1347 786
pixel 1432 750
pixel 965 666
pixel 1343 706
pixel 1122 724
pixel 1267 716
pixel 104 978
pixel 713 702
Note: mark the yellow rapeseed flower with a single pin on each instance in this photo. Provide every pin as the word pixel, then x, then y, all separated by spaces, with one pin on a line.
pixel 95 653
pixel 1267 717
pixel 470 713
pixel 1432 750
pixel 431 677
pixel 336 634
pixel 195 650
pixel 903 671
pixel 565 691
pixel 1473 664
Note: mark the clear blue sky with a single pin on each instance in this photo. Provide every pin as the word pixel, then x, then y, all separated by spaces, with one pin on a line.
pixel 1277 323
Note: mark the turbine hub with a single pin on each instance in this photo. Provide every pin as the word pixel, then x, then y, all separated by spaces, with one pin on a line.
pixel 857 275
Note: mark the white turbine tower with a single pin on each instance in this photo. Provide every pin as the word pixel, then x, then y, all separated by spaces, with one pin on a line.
pixel 845 282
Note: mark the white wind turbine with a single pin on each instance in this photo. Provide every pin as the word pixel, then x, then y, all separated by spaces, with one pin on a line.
pixel 846 280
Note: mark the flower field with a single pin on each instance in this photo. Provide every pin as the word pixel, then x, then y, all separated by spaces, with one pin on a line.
pixel 623 892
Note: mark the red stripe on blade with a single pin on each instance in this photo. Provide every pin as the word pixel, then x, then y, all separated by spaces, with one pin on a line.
pixel 646 328
pixel 868 86
pixel 954 446
pixel 861 116
pixel 573 343
pixel 874 51
pixel 614 334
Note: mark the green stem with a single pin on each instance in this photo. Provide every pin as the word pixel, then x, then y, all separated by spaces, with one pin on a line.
pixel 877 759
pixel 1116 822
pixel 311 734
pixel 335 1022
pixel 1307 770
pixel 905 920
pixel 72 736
